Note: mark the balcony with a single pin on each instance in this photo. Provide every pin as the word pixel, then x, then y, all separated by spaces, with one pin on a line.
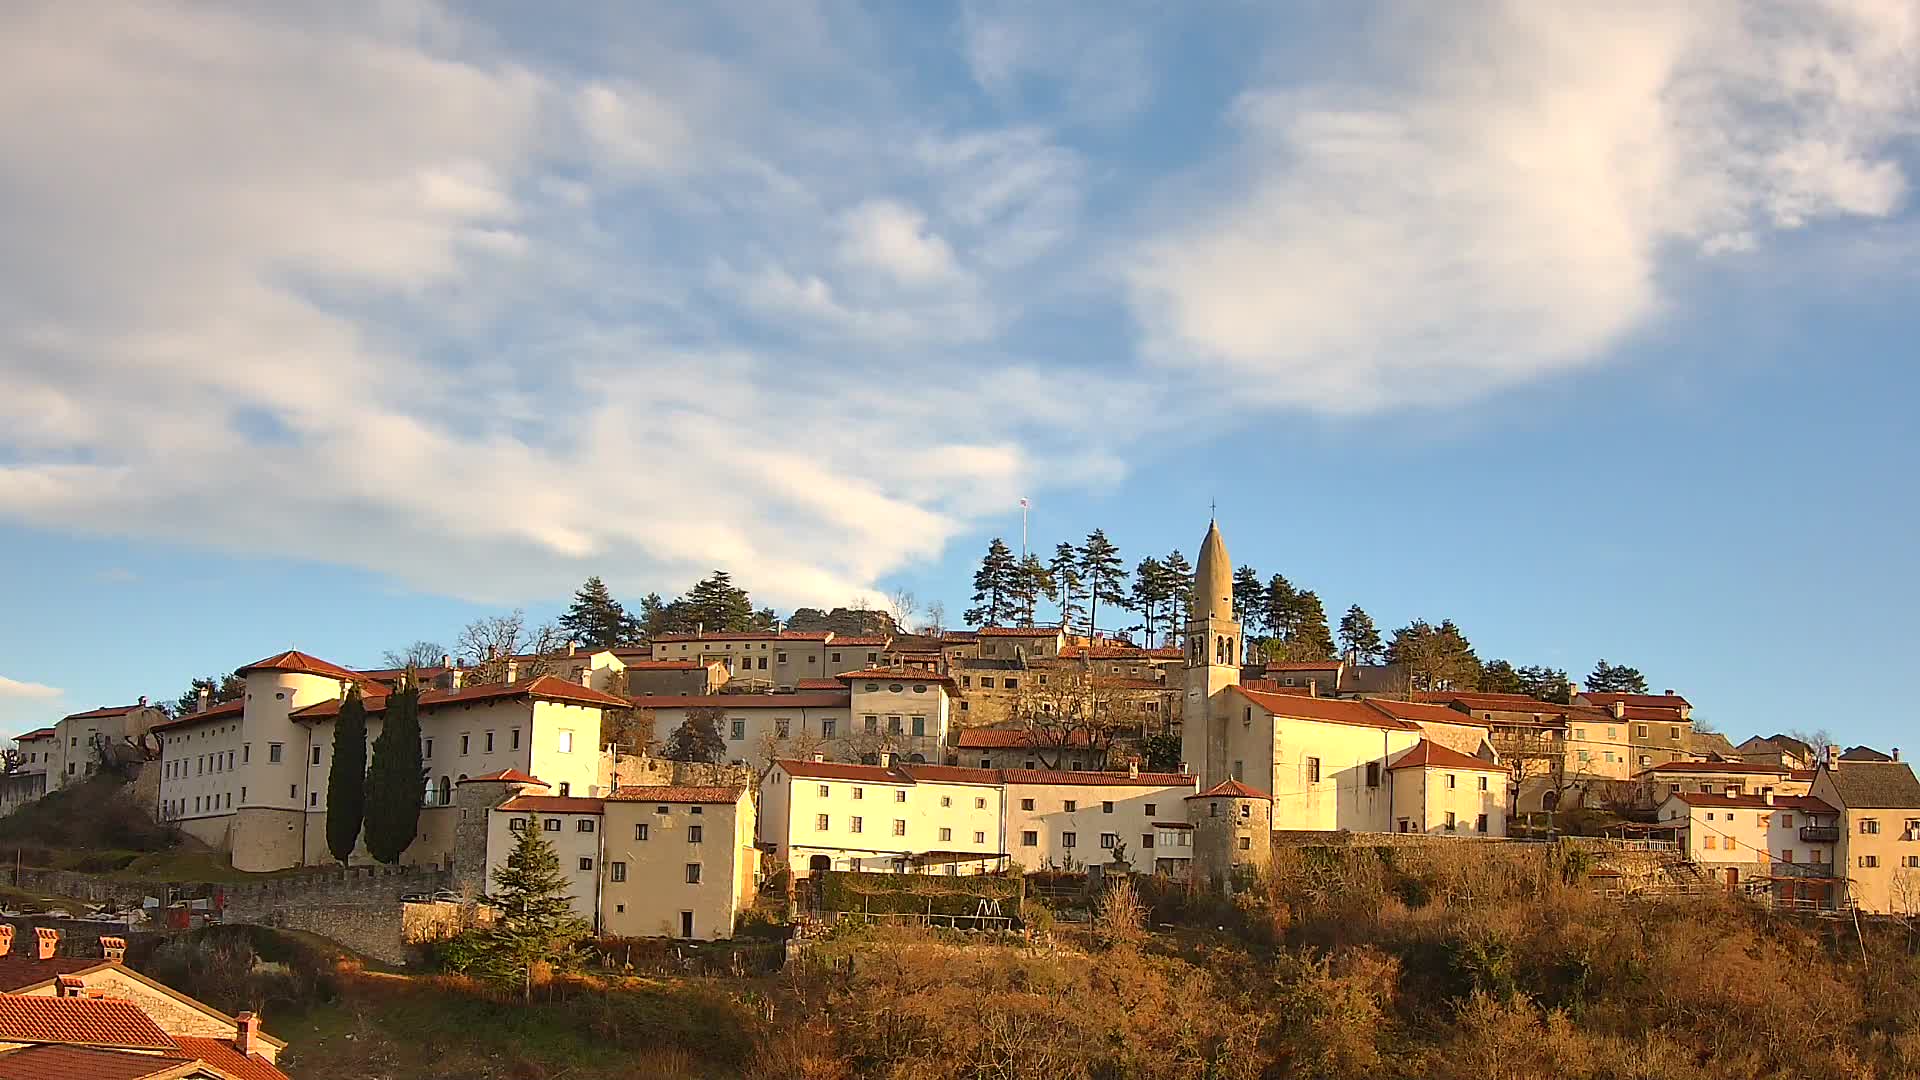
pixel 1820 834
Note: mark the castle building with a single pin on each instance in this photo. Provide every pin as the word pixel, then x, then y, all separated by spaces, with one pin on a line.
pixel 1326 764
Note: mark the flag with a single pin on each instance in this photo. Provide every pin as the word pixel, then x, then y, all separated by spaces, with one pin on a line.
pixel 1024 504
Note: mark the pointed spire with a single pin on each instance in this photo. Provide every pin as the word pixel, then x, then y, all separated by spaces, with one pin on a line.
pixel 1213 579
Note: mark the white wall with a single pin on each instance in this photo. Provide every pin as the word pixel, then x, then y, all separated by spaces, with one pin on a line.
pixel 200 769
pixel 1134 809
pixel 791 807
pixel 569 843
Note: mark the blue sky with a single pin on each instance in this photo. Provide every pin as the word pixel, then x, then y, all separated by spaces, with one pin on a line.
pixel 1589 329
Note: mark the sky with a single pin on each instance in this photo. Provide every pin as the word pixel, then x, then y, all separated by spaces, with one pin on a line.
pixel 1589 327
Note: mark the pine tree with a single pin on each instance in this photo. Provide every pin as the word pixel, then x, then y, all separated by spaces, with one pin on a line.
pixel 994 586
pixel 596 620
pixel 1031 581
pixel 1104 574
pixel 715 605
pixel 697 738
pixel 1546 684
pixel 1499 677
pixel 1149 595
pixel 537 922
pixel 655 616
pixel 1180 594
pixel 1282 609
pixel 1359 636
pixel 1249 599
pixel 1311 640
pixel 347 777
pixel 1064 570
pixel 1616 679
pixel 396 778
pixel 220 689
pixel 1435 657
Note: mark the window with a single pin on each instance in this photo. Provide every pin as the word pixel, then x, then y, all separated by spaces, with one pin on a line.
pixel 872 723
pixel 566 741
pixel 1072 805
pixel 763 664
pixel 979 837
pixel 1146 841
pixel 986 682
pixel 1786 856
pixel 836 658
pixel 739 730
pixel 859 794
pixel 1640 731
pixel 1246 843
pixel 1239 770
pixel 1246 810
pixel 586 862
pixel 1869 827
pixel 1213 809
pixel 819 823
pixel 1910 861
pixel 1026 804
pixel 552 824
pixel 946 800
pixel 1611 734
pixel 857 824
pixel 1869 861
pixel 1013 683
pixel 966 681
pixel 583 825
pixel 313 798
pixel 316 755
pixel 693 834
pixel 1106 807
pixel 489 742
pixel 825 791
pixel 693 878
pixel 827 728
pixel 1709 842
pixel 565 789
pixel 919 725
pixel 1673 733
pixel 1451 781
pixel 426 747
pixel 293 791
pixel 782 727
pixel 1152 809
pixel 1373 774
pixel 1068 839
pixel 662 809
pixel 899 827
pixel 274 751
pixel 1109 841
pixel 1313 770
pixel 640 831
pixel 513 738
pixel 616 871
pixel 900 795
pixel 466 742
pixel 893 725
pixel 1029 838
pixel 980 803
pixel 946 835
pixel 1483 787
pixel 779 658
pixel 1480 823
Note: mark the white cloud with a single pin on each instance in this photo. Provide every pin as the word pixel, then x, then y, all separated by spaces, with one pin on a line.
pixel 1503 211
pixel 1090 62
pixel 14 688
pixel 889 236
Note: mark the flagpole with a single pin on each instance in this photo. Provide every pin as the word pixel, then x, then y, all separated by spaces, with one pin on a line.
pixel 1023 530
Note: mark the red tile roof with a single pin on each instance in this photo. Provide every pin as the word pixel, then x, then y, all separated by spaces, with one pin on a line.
pixel 301 663
pixel 905 773
pixel 53 1061
pixel 1307 665
pixel 866 640
pixel 105 711
pixel 1428 754
pixel 1804 803
pixel 223 1055
pixel 226 710
pixel 1325 710
pixel 509 775
pixel 895 674
pixel 1096 779
pixel 1231 789
pixel 677 793
pixel 819 684
pixel 732 702
pixel 1715 767
pixel 37 733
pixel 1268 686
pixel 1018 631
pixel 554 804
pixel 666 665
pixel 79 1021
pixel 950 774
pixel 1663 715
pixel 835 770
pixel 757 635
pixel 1013 739
pixel 960 636
pixel 1655 701
pixel 21 968
pixel 1420 711
pixel 544 688
pixel 1118 652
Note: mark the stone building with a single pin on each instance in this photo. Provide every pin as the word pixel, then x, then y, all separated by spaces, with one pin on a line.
pixel 1232 833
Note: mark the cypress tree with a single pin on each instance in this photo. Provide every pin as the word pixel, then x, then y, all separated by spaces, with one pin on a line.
pixel 347 780
pixel 397 777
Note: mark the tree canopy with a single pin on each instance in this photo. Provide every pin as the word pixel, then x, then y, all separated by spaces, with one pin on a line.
pixel 994 586
pixel 1616 679
pixel 1435 657
pixel 1105 576
pixel 537 922
pixel 221 688
pixel 698 738
pixel 347 777
pixel 396 778
pixel 596 620
pixel 1359 636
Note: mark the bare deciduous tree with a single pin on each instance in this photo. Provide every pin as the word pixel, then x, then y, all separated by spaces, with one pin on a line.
pixel 771 746
pixel 420 654
pixel 936 620
pixel 498 646
pixel 1077 708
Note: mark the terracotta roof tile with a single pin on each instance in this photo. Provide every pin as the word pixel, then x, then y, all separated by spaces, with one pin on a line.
pixel 1805 803
pixel 1326 710
pixel 950 774
pixel 1307 665
pixel 226 710
pixel 731 702
pixel 835 770
pixel 819 684
pixel 57 1062
pixel 895 674
pixel 1096 779
pixel 78 1021
pixel 757 635
pixel 1013 739
pixel 1018 631
pixel 223 1055
pixel 1118 652
pixel 301 663
pixel 1428 754
pixel 544 688
pixel 1717 767
pixel 1657 701
pixel 37 733
pixel 863 641
pixel 105 711
pixel 666 665
pixel 554 804
pixel 509 775
pixel 1417 711
pixel 20 968
pixel 1233 789
pixel 677 793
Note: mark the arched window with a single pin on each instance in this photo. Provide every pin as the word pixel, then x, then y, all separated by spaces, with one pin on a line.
pixel 446 792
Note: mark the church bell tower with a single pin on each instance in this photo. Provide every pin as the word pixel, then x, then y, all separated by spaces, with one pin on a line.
pixel 1213 662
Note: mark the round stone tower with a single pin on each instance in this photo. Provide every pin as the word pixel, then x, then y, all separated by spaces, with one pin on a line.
pixel 1232 833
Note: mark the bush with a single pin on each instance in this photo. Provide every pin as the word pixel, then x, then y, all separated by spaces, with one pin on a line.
pixel 241 969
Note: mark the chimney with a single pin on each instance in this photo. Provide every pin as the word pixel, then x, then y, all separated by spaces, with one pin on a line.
pixel 1833 757
pixel 6 938
pixel 70 986
pixel 1133 769
pixel 1183 768
pixel 1670 691
pixel 1896 753
pixel 1573 690
pixel 819 757
pixel 513 671
pixel 446 661
pixel 206 699
pixel 1766 796
pixel 246 1032
pixel 1619 710
pixel 113 948
pixel 48 940
pixel 886 759
pixel 574 646
pixel 143 701
pixel 699 630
